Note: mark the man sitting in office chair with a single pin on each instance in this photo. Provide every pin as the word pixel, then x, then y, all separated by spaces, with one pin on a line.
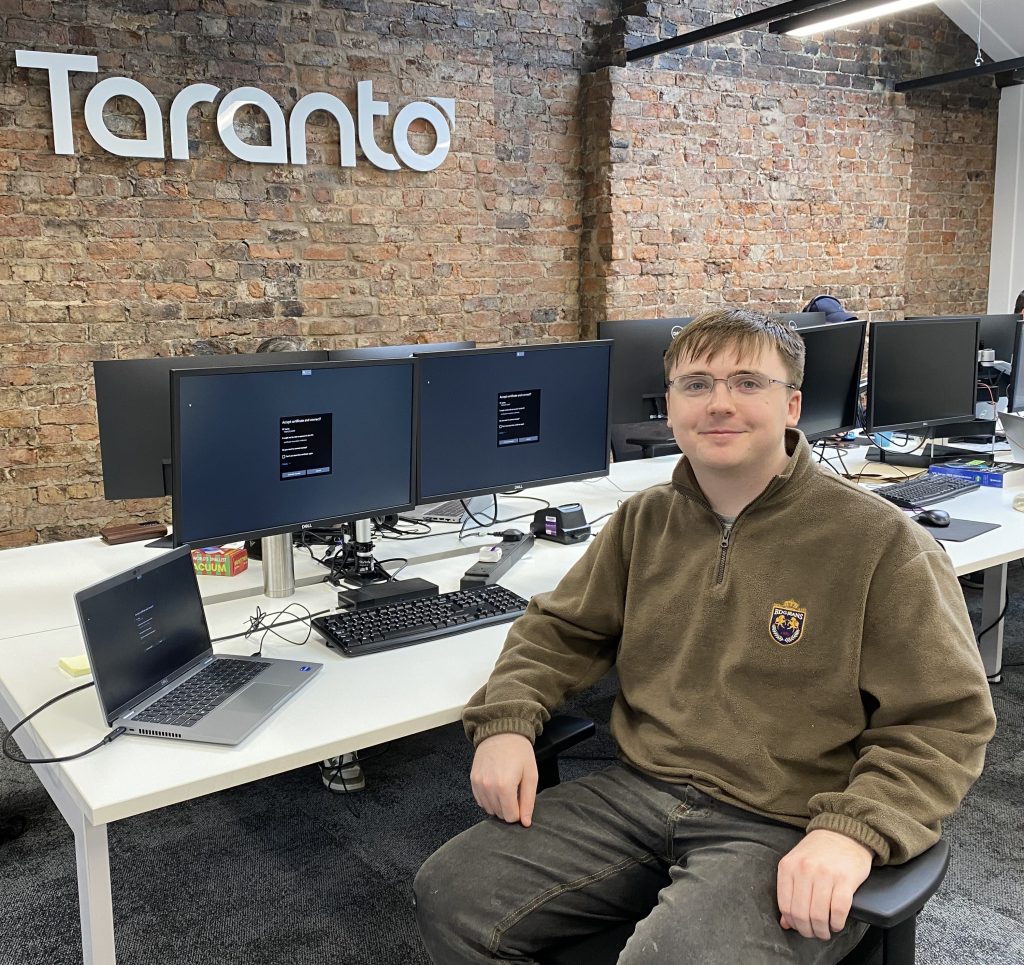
pixel 799 698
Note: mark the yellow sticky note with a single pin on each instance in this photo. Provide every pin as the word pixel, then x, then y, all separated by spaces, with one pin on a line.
pixel 75 666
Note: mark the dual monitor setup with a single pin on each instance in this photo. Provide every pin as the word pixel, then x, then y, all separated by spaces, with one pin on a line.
pixel 260 445
pixel 922 373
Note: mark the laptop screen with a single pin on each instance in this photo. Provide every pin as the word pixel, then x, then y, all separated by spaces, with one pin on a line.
pixel 141 627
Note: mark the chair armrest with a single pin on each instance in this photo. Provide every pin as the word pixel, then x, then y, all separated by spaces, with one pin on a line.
pixel 560 733
pixel 896 892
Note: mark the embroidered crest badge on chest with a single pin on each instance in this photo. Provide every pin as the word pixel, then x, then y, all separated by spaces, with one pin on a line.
pixel 787 622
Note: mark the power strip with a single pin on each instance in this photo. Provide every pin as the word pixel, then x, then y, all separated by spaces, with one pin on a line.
pixel 483 572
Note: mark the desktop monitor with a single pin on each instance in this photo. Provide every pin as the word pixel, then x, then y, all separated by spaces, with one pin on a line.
pixel 831 386
pixel 1015 394
pixel 800 319
pixel 394 351
pixel 266 450
pixel 638 370
pixel 133 406
pixel 921 372
pixel 994 331
pixel 504 418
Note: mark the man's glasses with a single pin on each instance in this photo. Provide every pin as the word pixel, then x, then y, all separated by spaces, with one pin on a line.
pixel 748 384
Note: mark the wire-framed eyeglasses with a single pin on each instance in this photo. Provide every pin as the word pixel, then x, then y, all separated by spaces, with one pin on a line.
pixel 747 384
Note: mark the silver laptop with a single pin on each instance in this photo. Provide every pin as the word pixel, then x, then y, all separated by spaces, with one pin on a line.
pixel 454 510
pixel 155 671
pixel 1013 429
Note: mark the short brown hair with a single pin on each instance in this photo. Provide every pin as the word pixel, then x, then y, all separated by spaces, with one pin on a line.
pixel 1019 305
pixel 745 331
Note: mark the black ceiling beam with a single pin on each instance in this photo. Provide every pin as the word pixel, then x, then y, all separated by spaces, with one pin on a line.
pixel 1009 78
pixel 725 27
pixel 935 79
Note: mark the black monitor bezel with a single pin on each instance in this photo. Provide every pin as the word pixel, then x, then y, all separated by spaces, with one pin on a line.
pixel 853 399
pixel 1016 386
pixel 872 357
pixel 524 483
pixel 177 375
pixel 369 352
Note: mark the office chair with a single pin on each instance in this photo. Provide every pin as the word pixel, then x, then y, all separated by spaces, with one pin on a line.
pixel 623 451
pixel 888 902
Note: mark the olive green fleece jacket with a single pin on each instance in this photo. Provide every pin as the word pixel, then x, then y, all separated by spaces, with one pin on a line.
pixel 816 666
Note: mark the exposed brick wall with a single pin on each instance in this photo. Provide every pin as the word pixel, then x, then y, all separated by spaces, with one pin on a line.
pixel 110 257
pixel 759 169
pixel 949 229
pixel 755 170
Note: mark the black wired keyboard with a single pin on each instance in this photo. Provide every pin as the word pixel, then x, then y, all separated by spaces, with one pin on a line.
pixel 194 698
pixel 925 490
pixel 391 625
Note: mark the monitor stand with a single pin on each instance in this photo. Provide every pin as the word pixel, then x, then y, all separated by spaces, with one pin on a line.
pixel 915 460
pixel 358 565
pixel 164 542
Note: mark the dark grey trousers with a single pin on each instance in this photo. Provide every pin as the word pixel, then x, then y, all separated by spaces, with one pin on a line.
pixel 614 846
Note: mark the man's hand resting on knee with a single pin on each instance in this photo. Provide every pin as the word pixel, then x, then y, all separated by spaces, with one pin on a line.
pixel 504 778
pixel 816 882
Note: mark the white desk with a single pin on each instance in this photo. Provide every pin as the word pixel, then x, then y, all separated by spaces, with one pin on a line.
pixel 352 704
pixel 989 552
pixel 38 583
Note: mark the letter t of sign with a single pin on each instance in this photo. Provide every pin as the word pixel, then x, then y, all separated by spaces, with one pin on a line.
pixel 58 66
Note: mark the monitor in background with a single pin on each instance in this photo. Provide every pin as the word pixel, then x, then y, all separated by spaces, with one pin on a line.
pixel 994 331
pixel 1015 395
pixel 266 450
pixel 921 373
pixel 133 406
pixel 497 419
pixel 394 351
pixel 800 319
pixel 831 385
pixel 638 370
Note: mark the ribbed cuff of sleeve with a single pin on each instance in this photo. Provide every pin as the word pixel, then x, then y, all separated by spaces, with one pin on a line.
pixel 504 725
pixel 852 828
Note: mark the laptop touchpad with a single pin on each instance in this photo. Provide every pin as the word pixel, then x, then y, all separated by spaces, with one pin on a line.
pixel 257 697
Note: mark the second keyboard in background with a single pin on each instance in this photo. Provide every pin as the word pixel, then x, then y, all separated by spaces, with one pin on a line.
pixel 391 625
pixel 925 490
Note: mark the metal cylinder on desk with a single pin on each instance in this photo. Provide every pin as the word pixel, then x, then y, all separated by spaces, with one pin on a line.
pixel 278 566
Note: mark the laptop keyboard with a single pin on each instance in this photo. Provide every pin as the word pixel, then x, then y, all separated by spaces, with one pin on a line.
pixel 194 698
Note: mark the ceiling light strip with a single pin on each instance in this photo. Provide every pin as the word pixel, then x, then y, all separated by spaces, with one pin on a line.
pixel 841 14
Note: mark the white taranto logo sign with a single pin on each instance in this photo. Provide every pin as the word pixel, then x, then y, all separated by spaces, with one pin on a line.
pixel 284 141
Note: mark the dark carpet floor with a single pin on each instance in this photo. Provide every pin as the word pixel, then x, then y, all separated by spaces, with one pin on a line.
pixel 282 871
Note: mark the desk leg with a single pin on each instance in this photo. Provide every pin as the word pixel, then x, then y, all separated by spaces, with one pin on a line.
pixel 94 902
pixel 993 599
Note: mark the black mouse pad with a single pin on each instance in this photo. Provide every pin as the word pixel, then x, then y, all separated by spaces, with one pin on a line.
pixel 960 529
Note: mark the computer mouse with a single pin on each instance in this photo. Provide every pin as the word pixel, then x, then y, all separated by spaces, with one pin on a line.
pixel 933 517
